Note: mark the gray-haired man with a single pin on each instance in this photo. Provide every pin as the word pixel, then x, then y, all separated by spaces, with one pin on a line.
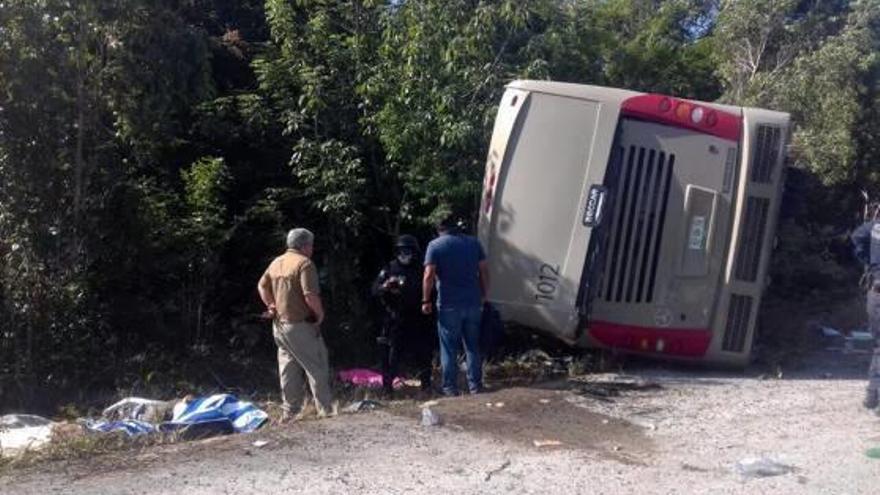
pixel 289 289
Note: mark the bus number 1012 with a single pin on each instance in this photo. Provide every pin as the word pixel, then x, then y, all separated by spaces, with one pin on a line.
pixel 548 282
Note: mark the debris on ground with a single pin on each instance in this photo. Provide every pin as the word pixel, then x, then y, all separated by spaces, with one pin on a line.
pixel 762 467
pixel 873 453
pixel 20 432
pixel 606 390
pixel 260 443
pixel 857 341
pixel 192 418
pixel 546 443
pixel 497 470
pixel 131 427
pixel 362 377
pixel 149 410
pixel 696 469
pixel 242 417
pixel 534 356
pixel 189 419
pixel 537 358
pixel 430 417
pixel 362 405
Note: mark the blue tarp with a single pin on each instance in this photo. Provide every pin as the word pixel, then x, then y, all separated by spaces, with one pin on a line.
pixel 204 416
pixel 131 427
pixel 243 416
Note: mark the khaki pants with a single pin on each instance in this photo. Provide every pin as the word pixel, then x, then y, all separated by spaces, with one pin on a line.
pixel 302 354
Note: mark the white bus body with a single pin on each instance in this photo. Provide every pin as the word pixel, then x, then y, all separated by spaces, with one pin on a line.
pixel 632 221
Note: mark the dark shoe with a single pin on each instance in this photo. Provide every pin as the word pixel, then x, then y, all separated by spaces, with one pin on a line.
pixel 872 399
pixel 450 393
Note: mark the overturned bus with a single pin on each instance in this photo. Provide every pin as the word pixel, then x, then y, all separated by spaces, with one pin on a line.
pixel 637 222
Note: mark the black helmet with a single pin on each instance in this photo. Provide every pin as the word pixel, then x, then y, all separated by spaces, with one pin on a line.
pixel 407 241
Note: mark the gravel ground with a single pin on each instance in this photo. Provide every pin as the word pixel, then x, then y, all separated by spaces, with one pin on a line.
pixel 684 437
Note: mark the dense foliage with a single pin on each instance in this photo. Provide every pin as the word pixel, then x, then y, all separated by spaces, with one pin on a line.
pixel 152 153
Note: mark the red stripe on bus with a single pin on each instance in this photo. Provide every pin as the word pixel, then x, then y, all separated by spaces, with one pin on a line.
pixel 681 113
pixel 675 341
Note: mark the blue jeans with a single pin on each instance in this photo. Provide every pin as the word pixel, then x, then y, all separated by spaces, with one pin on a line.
pixel 455 325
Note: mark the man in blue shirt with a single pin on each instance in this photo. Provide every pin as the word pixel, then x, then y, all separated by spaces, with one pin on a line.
pixel 458 265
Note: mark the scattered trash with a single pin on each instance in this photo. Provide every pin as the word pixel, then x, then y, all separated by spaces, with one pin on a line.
pixel 11 421
pixel 199 429
pixel 131 427
pixel 362 377
pixel 21 432
pixel 544 401
pixel 578 367
pixel 616 448
pixel 604 391
pixel 690 467
pixel 429 417
pixel 243 417
pixel 859 340
pixel 430 403
pixel 362 405
pixel 831 333
pixel 192 418
pixel 497 470
pixel 151 411
pixel 873 453
pixel 762 467
pixel 534 355
pixel 260 443
pixel 546 443
pixel 605 421
pixel 499 404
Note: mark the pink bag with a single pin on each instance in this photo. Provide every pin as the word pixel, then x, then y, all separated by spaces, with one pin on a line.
pixel 362 377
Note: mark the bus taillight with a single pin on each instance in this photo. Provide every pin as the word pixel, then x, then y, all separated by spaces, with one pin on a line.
pixel 681 113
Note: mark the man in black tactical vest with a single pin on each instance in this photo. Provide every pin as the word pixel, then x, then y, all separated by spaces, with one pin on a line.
pixel 406 334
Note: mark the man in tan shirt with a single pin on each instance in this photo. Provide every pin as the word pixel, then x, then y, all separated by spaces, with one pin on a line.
pixel 289 289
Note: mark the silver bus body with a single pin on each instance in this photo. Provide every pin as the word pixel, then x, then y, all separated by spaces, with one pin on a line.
pixel 632 221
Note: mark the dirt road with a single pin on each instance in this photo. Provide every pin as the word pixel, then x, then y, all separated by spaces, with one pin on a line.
pixel 685 436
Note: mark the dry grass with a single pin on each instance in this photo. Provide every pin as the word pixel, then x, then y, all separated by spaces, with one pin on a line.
pixel 71 448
